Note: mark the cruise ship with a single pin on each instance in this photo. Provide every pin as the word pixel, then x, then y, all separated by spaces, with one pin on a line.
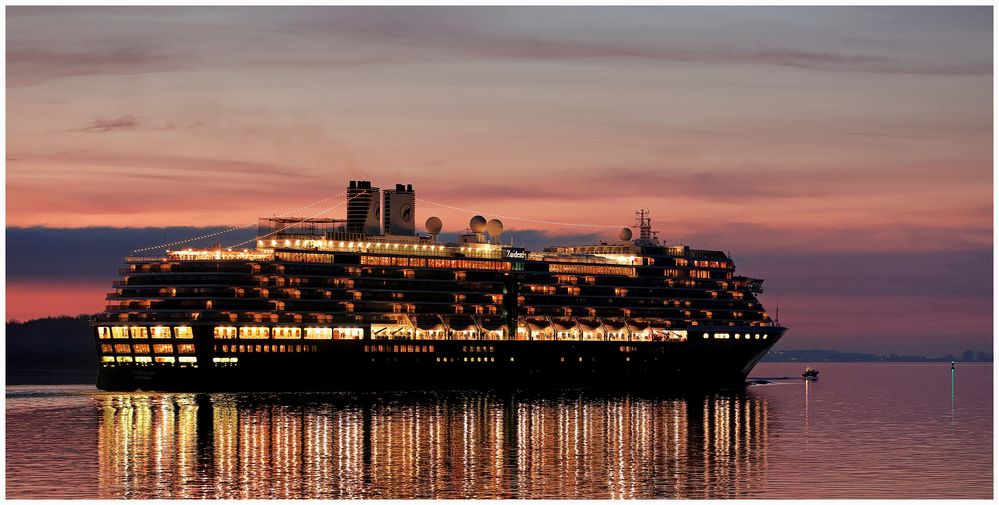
pixel 369 303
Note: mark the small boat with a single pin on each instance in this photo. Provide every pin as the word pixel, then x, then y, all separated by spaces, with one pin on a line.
pixel 810 374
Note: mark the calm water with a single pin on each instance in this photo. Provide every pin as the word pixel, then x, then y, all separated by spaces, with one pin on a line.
pixel 862 430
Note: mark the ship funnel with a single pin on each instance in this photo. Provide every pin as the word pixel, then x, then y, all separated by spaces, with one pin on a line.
pixel 400 210
pixel 363 208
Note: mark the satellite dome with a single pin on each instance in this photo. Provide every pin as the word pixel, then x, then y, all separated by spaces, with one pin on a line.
pixel 494 227
pixel 477 224
pixel 434 225
pixel 624 234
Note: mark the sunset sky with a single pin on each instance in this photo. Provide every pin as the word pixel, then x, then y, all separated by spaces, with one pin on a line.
pixel 842 154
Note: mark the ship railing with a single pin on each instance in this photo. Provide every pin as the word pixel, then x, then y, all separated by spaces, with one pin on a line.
pixel 141 259
pixel 407 249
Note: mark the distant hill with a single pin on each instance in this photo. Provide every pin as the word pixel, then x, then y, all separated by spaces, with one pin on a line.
pixel 52 350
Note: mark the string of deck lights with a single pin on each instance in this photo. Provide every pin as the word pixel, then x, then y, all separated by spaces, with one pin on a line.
pixel 249 225
pixel 528 220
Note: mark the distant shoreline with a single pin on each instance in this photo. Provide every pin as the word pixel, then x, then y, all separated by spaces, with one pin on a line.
pixel 827 355
pixel 76 378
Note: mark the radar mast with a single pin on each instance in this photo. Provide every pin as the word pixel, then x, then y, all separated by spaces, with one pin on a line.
pixel 643 220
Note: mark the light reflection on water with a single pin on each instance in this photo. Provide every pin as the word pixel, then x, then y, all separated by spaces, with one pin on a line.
pixel 428 446
pixel 857 432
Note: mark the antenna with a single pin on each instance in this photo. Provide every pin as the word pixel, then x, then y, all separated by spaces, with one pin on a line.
pixel 643 220
pixel 778 309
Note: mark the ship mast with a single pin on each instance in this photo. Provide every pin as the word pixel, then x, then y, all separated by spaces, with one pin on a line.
pixel 643 220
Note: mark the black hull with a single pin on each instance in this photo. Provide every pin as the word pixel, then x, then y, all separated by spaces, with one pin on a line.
pixel 361 366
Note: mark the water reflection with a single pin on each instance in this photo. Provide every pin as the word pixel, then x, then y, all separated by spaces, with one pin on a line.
pixel 575 445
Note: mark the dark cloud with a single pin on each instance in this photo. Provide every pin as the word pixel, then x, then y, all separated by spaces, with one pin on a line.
pixel 763 239
pixel 130 122
pixel 832 62
pixel 106 125
pixel 31 66
pixel 748 184
pixel 114 163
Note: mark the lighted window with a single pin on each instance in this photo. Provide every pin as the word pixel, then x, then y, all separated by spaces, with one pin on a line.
pixel 119 332
pixel 141 348
pixel 185 348
pixel 164 348
pixel 319 333
pixel 254 332
pixel 122 348
pixel 139 332
pixel 143 359
pixel 160 332
pixel 165 359
pixel 590 269
pixel 107 348
pixel 225 332
pixel 107 359
pixel 188 359
pixel 348 333
pixel 287 333
pixel 124 359
pixel 184 332
pixel 103 332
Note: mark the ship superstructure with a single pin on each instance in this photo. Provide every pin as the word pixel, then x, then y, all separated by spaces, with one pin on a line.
pixel 367 303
